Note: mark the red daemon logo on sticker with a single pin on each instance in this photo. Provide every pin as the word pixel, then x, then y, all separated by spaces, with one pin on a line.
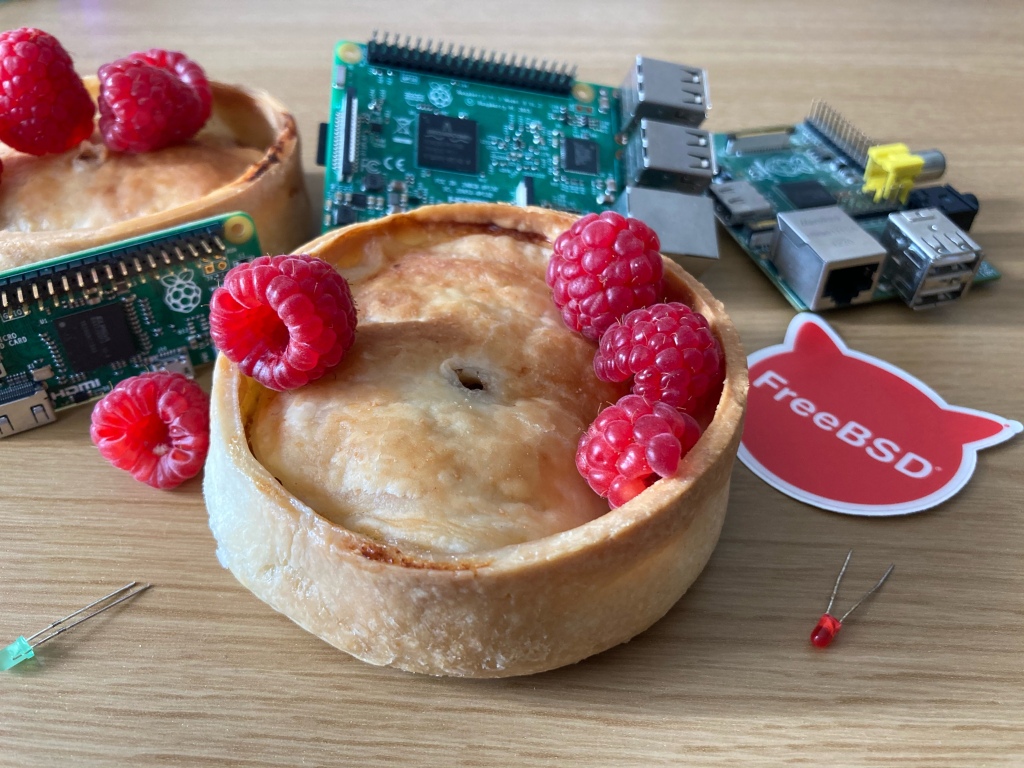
pixel 848 432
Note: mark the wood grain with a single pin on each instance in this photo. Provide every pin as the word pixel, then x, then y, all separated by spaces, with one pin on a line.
pixel 198 672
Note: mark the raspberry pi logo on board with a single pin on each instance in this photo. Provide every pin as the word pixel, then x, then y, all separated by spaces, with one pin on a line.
pixel 183 294
pixel 848 432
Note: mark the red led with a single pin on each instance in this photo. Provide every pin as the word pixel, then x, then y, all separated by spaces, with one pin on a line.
pixel 828 626
pixel 825 630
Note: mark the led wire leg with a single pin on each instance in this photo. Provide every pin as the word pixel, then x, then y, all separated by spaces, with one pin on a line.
pixel 23 648
pixel 828 626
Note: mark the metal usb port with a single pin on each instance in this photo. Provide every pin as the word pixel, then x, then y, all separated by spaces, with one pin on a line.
pixel 670 156
pixel 931 260
pixel 665 91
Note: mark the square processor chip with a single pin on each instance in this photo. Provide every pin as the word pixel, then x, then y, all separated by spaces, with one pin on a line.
pixel 580 156
pixel 806 194
pixel 96 337
pixel 446 143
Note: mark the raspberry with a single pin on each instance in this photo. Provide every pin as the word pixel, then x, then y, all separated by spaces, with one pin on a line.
pixel 669 351
pixel 286 320
pixel 44 107
pixel 155 426
pixel 632 443
pixel 151 100
pixel 187 71
pixel 603 267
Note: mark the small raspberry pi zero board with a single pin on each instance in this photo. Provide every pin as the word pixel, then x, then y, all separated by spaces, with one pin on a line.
pixel 73 327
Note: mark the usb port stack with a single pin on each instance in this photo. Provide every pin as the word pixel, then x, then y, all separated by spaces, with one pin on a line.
pixel 931 260
pixel 668 161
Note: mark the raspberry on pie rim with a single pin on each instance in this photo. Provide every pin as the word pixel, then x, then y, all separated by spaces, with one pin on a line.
pixel 286 320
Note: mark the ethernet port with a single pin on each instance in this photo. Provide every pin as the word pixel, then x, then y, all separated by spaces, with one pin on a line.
pixel 845 284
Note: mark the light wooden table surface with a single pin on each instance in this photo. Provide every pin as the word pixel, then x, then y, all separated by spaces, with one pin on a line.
pixel 931 673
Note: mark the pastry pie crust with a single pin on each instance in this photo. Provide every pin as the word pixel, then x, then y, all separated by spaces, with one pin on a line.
pixel 517 609
pixel 271 189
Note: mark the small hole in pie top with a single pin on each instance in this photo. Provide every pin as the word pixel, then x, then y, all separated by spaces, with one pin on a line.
pixel 469 379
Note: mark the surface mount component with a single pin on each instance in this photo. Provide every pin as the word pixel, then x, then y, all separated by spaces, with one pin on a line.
pixel 445 144
pixel 806 194
pixel 581 156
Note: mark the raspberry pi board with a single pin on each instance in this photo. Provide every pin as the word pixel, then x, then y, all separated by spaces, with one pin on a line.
pixel 793 197
pixel 414 123
pixel 73 327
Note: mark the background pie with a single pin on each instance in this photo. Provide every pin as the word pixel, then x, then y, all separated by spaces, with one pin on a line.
pixel 245 158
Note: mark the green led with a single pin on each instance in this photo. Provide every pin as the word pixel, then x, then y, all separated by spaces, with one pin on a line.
pixel 15 653
pixel 23 648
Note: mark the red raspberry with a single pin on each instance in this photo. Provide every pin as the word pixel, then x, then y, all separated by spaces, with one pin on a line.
pixel 151 100
pixel 603 267
pixel 155 426
pixel 669 351
pixel 286 320
pixel 632 443
pixel 186 70
pixel 44 107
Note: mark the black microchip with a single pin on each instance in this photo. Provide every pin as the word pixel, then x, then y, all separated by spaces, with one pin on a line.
pixel 580 156
pixel 96 337
pixel 806 194
pixel 343 215
pixel 358 200
pixel 446 143
pixel 374 182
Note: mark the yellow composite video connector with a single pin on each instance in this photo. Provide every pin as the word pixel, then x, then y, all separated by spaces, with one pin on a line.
pixel 891 171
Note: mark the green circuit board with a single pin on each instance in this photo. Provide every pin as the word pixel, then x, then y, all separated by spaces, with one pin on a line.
pixel 73 327
pixel 795 167
pixel 472 129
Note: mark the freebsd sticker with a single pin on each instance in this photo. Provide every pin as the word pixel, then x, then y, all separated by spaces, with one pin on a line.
pixel 850 433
